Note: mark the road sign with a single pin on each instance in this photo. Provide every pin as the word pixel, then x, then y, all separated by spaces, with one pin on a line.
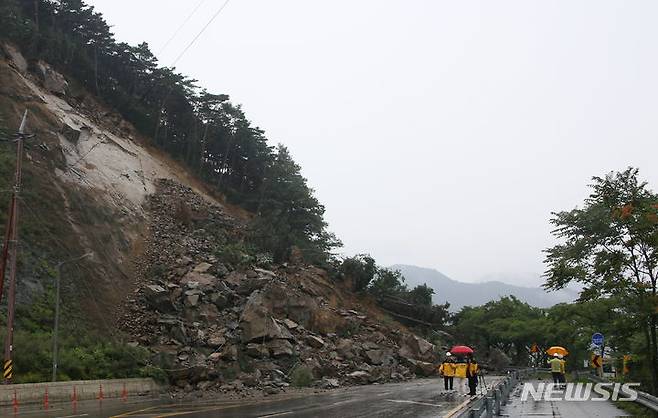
pixel 8 370
pixel 597 338
pixel 627 360
pixel 597 361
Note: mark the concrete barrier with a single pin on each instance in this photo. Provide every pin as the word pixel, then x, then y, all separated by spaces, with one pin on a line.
pixel 31 393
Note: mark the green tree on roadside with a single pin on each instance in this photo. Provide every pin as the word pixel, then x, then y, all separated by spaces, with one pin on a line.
pixel 611 247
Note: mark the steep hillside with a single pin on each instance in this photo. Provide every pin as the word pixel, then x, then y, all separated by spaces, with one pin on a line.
pixel 173 274
pixel 87 176
pixel 460 294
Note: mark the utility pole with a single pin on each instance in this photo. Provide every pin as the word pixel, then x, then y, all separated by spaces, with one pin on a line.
pixel 11 246
pixel 58 278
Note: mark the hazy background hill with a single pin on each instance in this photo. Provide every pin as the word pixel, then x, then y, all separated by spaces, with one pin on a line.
pixel 461 294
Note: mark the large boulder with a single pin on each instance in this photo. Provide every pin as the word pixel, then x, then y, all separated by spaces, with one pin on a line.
pixel 250 284
pixel 345 348
pixel 216 341
pixel 420 368
pixel 315 342
pixel 359 376
pixel 412 346
pixel 424 368
pixel 202 267
pixel 257 323
pixel 157 297
pixel 209 312
pixel 221 299
pixel 257 350
pixel 297 306
pixel 203 280
pixel 279 348
pixel 379 357
pixel 174 328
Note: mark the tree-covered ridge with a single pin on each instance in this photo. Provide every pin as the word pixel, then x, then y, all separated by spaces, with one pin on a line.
pixel 212 136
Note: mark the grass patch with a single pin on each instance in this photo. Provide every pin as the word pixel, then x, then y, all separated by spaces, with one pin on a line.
pixel 635 409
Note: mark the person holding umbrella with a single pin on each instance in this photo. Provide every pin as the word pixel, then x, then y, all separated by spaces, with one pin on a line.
pixel 447 370
pixel 556 368
pixel 563 371
pixel 557 364
pixel 461 351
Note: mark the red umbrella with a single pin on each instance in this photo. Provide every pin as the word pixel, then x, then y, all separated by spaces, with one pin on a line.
pixel 461 350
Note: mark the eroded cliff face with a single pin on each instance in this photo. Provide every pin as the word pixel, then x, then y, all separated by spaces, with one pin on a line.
pixel 169 272
pixel 87 176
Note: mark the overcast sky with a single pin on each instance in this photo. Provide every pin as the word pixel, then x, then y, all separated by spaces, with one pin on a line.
pixel 436 133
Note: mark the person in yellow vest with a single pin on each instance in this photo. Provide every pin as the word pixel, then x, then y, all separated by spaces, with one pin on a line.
pixel 556 366
pixel 447 370
pixel 563 371
pixel 472 370
pixel 460 374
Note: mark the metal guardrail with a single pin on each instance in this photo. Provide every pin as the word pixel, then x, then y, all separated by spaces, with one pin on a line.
pixel 643 398
pixel 490 404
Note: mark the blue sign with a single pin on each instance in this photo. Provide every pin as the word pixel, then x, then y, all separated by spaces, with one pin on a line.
pixel 597 338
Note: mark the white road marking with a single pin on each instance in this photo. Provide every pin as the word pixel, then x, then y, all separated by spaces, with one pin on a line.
pixel 414 402
pixel 276 414
pixel 72 416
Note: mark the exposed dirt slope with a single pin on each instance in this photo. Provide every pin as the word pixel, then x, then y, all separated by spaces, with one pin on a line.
pixel 169 271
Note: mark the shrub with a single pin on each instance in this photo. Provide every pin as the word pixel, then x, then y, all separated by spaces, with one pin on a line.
pixel 301 377
pixel 235 254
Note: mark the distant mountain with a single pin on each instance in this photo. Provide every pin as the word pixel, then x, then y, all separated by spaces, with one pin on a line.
pixel 460 294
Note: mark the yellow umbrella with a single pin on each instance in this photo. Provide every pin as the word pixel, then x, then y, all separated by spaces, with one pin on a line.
pixel 556 349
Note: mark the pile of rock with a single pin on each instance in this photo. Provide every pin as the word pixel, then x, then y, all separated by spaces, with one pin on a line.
pixel 217 328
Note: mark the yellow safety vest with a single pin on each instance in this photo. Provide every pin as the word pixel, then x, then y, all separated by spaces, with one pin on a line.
pixel 474 369
pixel 460 370
pixel 556 365
pixel 447 369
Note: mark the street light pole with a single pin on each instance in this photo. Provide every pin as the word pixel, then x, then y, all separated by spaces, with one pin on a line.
pixel 58 278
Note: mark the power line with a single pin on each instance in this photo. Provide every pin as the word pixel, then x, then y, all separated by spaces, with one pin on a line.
pixel 200 33
pixel 187 19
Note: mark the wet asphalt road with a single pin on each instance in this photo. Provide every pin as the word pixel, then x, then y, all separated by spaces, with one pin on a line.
pixel 517 408
pixel 419 398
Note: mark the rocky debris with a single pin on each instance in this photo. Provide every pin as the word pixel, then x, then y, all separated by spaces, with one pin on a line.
pixel 378 357
pixel 315 342
pixel 158 298
pixel 417 348
pixel 290 324
pixel 257 350
pixel 359 376
pixel 327 383
pixel 257 322
pixel 228 329
pixel 70 133
pixel 15 57
pixel 196 279
pixel 280 348
pixel 52 80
